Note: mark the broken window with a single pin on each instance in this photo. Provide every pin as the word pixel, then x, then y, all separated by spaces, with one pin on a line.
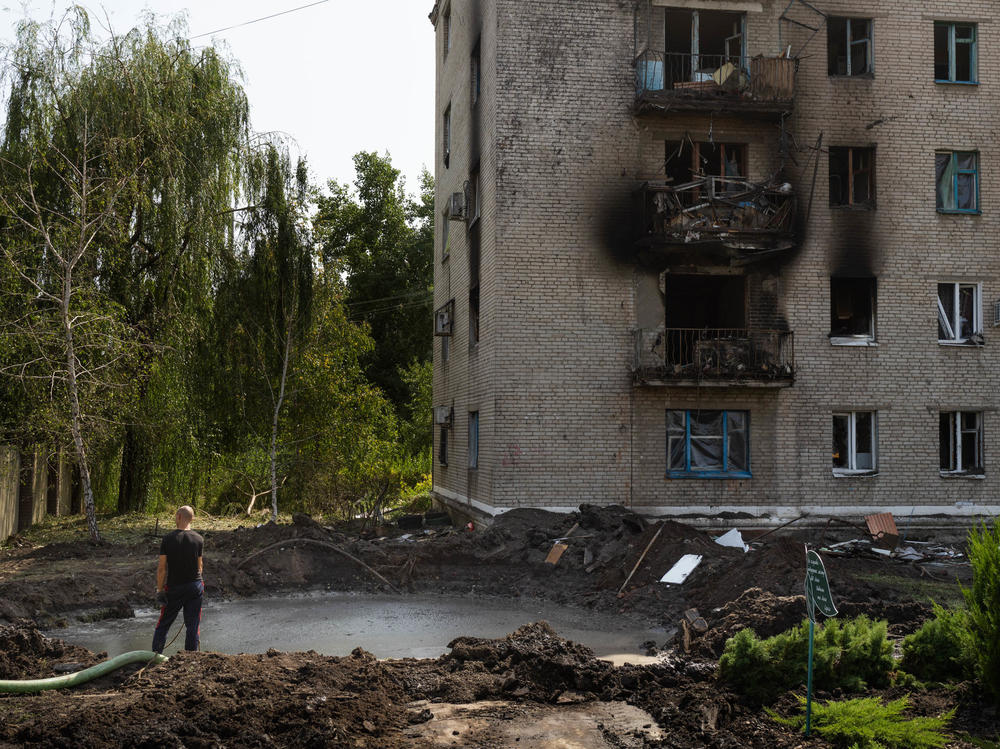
pixel 445 231
pixel 849 46
pixel 476 75
pixel 855 436
pixel 474 316
pixel 961 442
pixel 446 34
pixel 955 53
pixel 957 181
pixel 852 177
pixel 959 312
pixel 852 309
pixel 472 196
pixel 703 444
pixel 443 446
pixel 685 159
pixel 700 42
pixel 474 439
pixel 446 135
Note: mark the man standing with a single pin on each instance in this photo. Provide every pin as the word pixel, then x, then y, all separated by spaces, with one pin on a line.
pixel 178 581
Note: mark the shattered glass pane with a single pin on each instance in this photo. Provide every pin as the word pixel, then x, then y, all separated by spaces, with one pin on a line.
pixel 946 298
pixel 966 199
pixel 970 420
pixel 966 311
pixel 864 437
pixel 945 168
pixel 859 58
pixel 862 175
pixel 706 453
pixel 840 451
pixel 970 451
pixel 964 62
pixel 941 32
pixel 946 429
pixel 676 460
pixel 966 160
pixel 706 423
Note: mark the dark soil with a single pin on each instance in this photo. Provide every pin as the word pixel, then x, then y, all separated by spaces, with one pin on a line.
pixel 278 699
pixel 305 699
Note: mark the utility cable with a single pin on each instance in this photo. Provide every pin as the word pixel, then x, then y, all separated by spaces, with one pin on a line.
pixel 262 18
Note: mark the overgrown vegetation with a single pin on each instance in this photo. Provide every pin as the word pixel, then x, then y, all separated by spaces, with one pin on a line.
pixel 941 650
pixel 232 346
pixel 983 602
pixel 850 655
pixel 867 723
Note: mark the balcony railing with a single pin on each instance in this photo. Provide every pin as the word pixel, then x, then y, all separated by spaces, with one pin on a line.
pixel 679 80
pixel 706 356
pixel 733 211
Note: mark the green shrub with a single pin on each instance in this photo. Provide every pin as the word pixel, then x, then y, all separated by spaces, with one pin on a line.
pixel 983 601
pixel 851 655
pixel 868 724
pixel 941 650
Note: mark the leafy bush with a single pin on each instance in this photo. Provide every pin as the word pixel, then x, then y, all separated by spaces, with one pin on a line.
pixel 983 601
pixel 868 724
pixel 850 655
pixel 941 650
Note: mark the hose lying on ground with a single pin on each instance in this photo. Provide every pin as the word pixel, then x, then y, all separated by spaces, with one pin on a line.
pixel 29 686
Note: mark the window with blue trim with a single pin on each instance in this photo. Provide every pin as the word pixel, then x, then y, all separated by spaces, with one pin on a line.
pixel 955 53
pixel 708 444
pixel 957 181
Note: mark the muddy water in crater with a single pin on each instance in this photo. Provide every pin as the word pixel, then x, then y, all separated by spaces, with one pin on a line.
pixel 418 626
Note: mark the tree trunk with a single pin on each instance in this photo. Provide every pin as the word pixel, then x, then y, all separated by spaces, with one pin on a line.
pixel 133 483
pixel 274 424
pixel 74 400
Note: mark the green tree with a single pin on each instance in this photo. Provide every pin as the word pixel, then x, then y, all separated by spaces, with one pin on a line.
pixel 180 119
pixel 384 239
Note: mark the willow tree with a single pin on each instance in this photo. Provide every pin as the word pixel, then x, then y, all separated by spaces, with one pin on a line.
pixel 167 128
pixel 264 311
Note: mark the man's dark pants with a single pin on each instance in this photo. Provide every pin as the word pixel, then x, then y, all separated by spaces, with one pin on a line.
pixel 186 596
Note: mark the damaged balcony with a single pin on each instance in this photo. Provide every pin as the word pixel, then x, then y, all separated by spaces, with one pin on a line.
pixel 682 81
pixel 722 357
pixel 741 216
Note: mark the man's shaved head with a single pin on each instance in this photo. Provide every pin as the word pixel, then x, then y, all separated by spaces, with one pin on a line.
pixel 185 513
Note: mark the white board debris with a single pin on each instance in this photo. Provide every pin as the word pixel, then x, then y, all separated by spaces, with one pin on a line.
pixel 732 538
pixel 680 571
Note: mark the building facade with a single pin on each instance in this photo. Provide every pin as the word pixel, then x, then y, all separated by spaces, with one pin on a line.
pixel 699 257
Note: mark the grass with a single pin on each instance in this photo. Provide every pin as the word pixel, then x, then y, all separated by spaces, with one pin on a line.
pixel 948 594
pixel 126 529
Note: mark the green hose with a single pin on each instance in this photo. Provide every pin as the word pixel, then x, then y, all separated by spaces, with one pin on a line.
pixel 29 686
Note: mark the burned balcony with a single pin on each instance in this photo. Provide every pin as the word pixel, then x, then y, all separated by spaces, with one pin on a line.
pixel 681 81
pixel 732 212
pixel 722 357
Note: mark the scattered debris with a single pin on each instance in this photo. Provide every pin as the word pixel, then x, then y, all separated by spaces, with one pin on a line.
pixel 882 527
pixel 680 571
pixel 732 538
pixel 641 557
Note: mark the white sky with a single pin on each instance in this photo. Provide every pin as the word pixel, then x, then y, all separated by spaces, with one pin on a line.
pixel 341 77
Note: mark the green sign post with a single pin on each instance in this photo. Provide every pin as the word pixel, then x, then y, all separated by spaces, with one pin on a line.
pixel 818 597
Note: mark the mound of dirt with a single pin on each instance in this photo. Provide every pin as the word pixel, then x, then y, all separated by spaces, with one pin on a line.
pixel 27 654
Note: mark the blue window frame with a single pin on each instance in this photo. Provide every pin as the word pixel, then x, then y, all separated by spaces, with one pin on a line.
pixel 957 175
pixel 955 53
pixel 708 444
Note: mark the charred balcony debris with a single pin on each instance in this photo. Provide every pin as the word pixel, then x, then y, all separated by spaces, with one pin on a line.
pixel 738 214
pixel 680 81
pixel 714 356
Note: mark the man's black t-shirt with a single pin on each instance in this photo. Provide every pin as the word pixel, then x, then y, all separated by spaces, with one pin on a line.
pixel 182 549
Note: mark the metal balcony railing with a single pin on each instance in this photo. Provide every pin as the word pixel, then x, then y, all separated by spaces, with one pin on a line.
pixel 725 355
pixel 679 78
pixel 733 211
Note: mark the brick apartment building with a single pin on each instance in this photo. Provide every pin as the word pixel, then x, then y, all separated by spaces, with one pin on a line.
pixel 699 257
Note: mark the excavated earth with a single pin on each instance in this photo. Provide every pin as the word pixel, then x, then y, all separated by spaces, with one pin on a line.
pixel 529 689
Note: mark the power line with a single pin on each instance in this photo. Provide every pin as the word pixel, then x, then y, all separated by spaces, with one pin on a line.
pixel 262 18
